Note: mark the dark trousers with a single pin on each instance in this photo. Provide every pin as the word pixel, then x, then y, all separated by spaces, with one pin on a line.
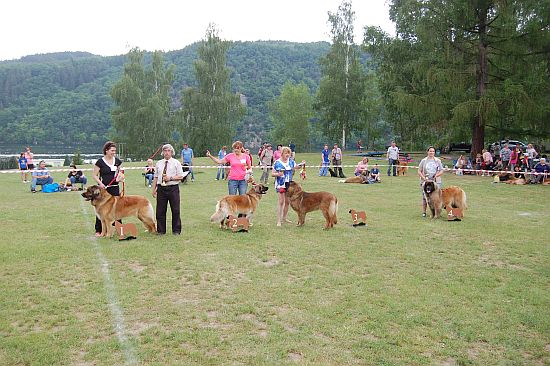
pixel 114 191
pixel 392 164
pixel 167 194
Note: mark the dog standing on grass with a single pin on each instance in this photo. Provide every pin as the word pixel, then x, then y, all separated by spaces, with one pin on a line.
pixel 453 197
pixel 234 205
pixel 304 202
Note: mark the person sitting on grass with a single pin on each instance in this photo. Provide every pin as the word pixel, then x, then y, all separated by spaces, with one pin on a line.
pixel 375 173
pixel 76 176
pixel 41 176
pixel 362 167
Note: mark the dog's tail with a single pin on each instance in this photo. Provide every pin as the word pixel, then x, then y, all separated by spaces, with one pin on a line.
pixel 219 215
pixel 333 210
pixel 464 200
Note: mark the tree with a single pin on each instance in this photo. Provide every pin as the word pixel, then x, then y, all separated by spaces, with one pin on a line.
pixel 291 113
pixel 461 66
pixel 142 116
pixel 341 90
pixel 210 111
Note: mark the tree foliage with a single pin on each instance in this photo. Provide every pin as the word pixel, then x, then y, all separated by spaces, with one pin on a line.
pixel 291 113
pixel 461 66
pixel 210 111
pixel 142 116
pixel 342 86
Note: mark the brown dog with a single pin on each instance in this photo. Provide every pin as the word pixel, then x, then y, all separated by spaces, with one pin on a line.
pixel 235 205
pixel 438 199
pixel 111 208
pixel 304 202
pixel 518 181
pixel 402 168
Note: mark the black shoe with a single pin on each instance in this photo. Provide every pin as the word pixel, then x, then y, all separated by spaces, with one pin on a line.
pixel 33 190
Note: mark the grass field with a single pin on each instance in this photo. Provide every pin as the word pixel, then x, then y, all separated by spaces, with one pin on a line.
pixel 403 291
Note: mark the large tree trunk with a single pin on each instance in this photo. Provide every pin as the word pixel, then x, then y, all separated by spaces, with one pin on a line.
pixel 478 127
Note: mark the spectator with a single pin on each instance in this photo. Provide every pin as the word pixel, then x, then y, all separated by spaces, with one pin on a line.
pixel 514 158
pixel 362 167
pixel 106 174
pixel 430 168
pixel 266 160
pixel 41 176
pixel 542 169
pixel 187 159
pixel 325 162
pixel 292 150
pixel 76 176
pixel 487 161
pixel 149 172
pixel 29 156
pixel 240 163
pixel 221 168
pixel 505 153
pixel 375 173
pixel 460 165
pixel 479 163
pixel 168 174
pixel 277 153
pixel 22 161
pixel 531 155
pixel 359 146
pixel 337 161
pixel 393 157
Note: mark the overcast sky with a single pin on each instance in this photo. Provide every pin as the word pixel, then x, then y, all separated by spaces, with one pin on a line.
pixel 112 27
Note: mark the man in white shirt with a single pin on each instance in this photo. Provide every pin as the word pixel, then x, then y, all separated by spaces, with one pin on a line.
pixel 393 158
pixel 168 174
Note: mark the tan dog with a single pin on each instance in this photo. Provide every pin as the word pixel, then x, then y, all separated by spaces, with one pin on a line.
pixel 235 205
pixel 237 223
pixel 355 179
pixel 518 181
pixel 453 197
pixel 111 208
pixel 402 168
pixel 304 202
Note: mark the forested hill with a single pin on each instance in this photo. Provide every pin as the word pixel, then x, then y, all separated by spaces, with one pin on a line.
pixel 64 97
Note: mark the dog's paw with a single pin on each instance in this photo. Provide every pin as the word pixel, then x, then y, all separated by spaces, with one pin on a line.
pixel 341 181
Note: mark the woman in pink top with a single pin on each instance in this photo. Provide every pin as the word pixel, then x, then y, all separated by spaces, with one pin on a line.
pixel 239 163
pixel 277 153
pixel 362 167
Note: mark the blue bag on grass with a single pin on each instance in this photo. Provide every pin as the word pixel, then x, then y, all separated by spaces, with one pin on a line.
pixel 50 188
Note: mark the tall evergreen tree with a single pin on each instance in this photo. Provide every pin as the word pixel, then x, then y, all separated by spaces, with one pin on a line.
pixel 342 86
pixel 142 116
pixel 461 66
pixel 291 112
pixel 210 111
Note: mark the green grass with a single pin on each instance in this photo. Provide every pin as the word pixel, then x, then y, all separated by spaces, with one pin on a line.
pixel 403 291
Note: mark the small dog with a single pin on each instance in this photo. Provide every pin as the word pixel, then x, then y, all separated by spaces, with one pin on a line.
pixel 111 208
pixel 359 217
pixel 125 229
pixel 237 223
pixel 235 205
pixel 402 168
pixel 518 181
pixel 438 199
pixel 304 202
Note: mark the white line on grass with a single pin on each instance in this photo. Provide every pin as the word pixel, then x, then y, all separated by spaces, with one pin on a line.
pixel 116 310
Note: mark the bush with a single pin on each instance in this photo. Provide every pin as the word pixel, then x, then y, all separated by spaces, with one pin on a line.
pixel 8 163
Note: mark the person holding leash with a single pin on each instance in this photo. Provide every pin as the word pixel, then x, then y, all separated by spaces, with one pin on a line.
pixel 430 168
pixel 168 174
pixel 283 169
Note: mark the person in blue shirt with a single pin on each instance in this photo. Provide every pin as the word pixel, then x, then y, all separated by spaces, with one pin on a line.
pixel 375 173
pixel 325 162
pixel 543 170
pixel 41 176
pixel 221 168
pixel 283 169
pixel 22 161
pixel 187 158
